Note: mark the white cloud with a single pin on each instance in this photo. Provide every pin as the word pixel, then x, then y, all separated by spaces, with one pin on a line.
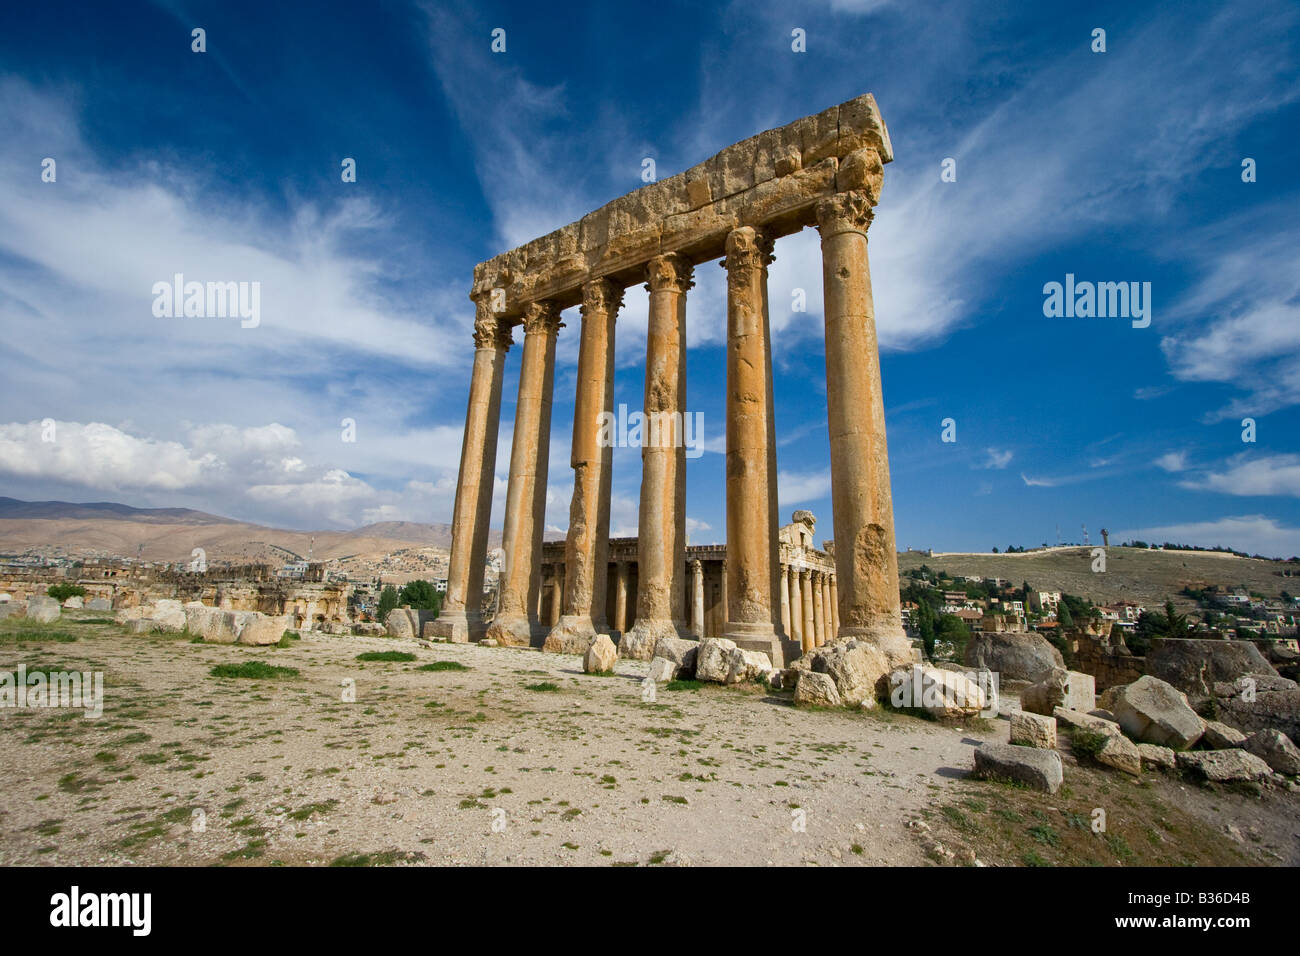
pixel 1172 461
pixel 997 458
pixel 1253 534
pixel 798 487
pixel 1270 475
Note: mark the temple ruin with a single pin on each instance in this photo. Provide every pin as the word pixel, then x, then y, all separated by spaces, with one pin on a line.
pixel 823 171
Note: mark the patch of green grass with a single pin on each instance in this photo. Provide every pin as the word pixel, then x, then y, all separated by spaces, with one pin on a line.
pixel 443 666
pixel 1045 835
pixel 393 656
pixel 544 687
pixel 382 858
pixel 254 670
pixel 287 639
pixel 302 813
pixel 1033 859
pixel 683 685
pixel 1087 743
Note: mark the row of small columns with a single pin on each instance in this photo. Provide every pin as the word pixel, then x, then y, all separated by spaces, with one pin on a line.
pixel 866 562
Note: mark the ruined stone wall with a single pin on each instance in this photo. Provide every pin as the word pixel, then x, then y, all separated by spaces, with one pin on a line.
pixel 1110 663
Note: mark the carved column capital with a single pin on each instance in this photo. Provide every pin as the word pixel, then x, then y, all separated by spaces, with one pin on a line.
pixel 491 331
pixel 844 212
pixel 747 250
pixel 601 296
pixel 669 273
pixel 543 317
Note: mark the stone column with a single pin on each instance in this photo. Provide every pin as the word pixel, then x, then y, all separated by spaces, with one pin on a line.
pixel 697 606
pixel 661 534
pixel 865 558
pixel 806 603
pixel 586 549
pixel 796 606
pixel 785 601
pixel 462 613
pixel 819 609
pixel 526 492
pixel 620 596
pixel 557 595
pixel 752 551
pixel 826 606
pixel 835 607
pixel 722 598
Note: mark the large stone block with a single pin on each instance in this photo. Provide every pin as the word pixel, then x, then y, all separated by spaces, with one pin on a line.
pixel 263 629
pixel 1037 769
pixel 1154 712
pixel 1224 766
pixel 941 693
pixel 815 690
pixel 1194 666
pixel 1275 749
pixel 600 656
pixel 1014 656
pixel 1080 692
pixel 1033 730
pixel 713 659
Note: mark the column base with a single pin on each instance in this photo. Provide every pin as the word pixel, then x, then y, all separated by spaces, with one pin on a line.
pixel 640 642
pixel 456 626
pixel 513 631
pixel 572 635
pixel 780 649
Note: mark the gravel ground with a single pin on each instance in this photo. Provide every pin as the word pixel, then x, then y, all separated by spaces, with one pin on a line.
pixel 484 765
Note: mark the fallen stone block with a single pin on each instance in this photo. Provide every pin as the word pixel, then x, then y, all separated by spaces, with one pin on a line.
pixel 1077 721
pixel 600 656
pixel 1080 691
pixel 662 670
pixel 1224 766
pixel 1221 737
pixel 1275 749
pixel 1037 769
pixel 1120 753
pixel 939 692
pixel 265 630
pixel 816 690
pixel 1153 712
pixel 681 652
pixel 1033 730
pixel 713 659
pixel 1047 694
pixel 1156 757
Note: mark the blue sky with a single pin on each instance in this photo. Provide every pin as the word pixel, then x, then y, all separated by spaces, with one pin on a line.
pixel 225 165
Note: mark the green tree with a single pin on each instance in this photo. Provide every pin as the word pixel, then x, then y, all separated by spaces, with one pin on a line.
pixel 61 592
pixel 1063 615
pixel 421 595
pixel 387 601
pixel 925 626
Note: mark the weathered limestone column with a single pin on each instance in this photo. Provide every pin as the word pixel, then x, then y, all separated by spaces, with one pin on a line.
pixel 461 619
pixel 865 559
pixel 752 549
pixel 586 549
pixel 819 610
pixel 697 605
pixel 835 607
pixel 526 492
pixel 806 602
pixel 557 596
pixel 825 597
pixel 796 607
pixel 722 579
pixel 785 600
pixel 661 534
pixel 620 596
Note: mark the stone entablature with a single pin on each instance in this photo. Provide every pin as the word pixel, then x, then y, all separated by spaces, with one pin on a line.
pixel 773 180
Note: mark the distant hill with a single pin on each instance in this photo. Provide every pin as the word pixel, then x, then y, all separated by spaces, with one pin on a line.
pixel 171 534
pixel 1134 574
pixel 56 510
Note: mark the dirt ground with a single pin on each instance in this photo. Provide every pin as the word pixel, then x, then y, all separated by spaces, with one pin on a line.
pixel 522 759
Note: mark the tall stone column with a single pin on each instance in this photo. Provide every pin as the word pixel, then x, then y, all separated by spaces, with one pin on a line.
pixel 526 492
pixel 806 602
pixel 819 610
pixel 785 600
pixel 661 534
pixel 697 604
pixel 835 607
pixel 586 549
pixel 620 596
pixel 866 563
pixel 825 598
pixel 752 551
pixel 796 608
pixel 462 613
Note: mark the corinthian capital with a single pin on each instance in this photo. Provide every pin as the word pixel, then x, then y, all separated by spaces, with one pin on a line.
pixel 748 249
pixel 490 329
pixel 844 212
pixel 669 273
pixel 602 297
pixel 543 316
